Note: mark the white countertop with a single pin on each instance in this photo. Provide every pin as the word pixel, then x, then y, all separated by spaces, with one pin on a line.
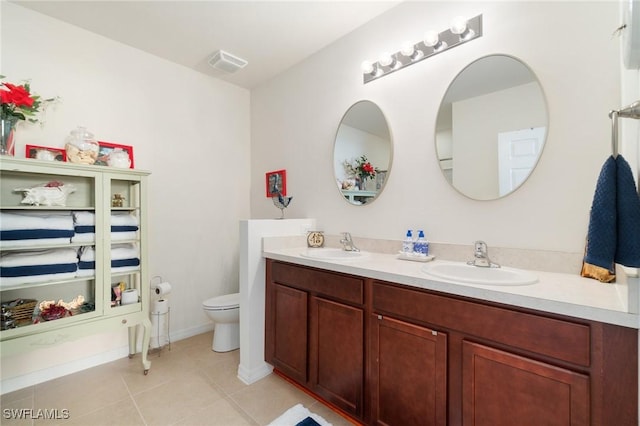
pixel 559 293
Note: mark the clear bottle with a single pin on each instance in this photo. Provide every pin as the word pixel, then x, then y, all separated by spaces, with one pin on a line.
pixel 407 244
pixel 421 246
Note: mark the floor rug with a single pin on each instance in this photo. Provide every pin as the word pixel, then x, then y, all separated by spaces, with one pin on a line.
pixel 298 415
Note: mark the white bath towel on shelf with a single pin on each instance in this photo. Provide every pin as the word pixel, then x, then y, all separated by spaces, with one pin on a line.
pixel 90 237
pixel 118 252
pixel 84 218
pixel 123 219
pixel 87 237
pixel 31 279
pixel 7 244
pixel 124 236
pixel 35 220
pixel 38 257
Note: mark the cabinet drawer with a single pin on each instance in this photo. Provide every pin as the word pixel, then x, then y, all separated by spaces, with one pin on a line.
pixel 330 284
pixel 563 340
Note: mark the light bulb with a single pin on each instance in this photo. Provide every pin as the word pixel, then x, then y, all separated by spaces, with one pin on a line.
pixel 431 38
pixel 458 25
pixel 386 59
pixel 407 48
pixel 367 67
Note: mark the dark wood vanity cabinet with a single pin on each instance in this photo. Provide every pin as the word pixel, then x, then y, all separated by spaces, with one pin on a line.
pixel 390 354
pixel 318 341
pixel 498 387
pixel 408 374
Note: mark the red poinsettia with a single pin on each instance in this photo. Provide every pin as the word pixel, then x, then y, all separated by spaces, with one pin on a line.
pixel 364 169
pixel 18 102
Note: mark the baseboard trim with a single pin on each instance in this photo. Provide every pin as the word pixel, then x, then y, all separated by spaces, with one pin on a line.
pixel 250 376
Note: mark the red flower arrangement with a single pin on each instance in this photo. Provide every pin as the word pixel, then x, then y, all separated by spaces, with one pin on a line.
pixel 18 103
pixel 364 169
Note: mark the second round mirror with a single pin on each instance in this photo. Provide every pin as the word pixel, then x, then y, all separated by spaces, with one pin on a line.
pixel 491 127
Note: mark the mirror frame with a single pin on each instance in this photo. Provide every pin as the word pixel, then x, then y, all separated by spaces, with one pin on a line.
pixel 390 164
pixel 545 138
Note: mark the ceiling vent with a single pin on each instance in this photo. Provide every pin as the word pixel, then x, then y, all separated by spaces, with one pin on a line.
pixel 226 62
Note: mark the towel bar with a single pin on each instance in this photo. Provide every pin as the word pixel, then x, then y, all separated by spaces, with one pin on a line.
pixel 630 111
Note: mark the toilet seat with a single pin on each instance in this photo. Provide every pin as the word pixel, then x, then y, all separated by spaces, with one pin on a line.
pixel 224 302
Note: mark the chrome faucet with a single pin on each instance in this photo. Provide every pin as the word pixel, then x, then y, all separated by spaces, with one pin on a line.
pixel 347 242
pixel 481 253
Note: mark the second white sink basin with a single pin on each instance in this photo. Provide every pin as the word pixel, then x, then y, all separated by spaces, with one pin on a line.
pixel 464 273
pixel 332 254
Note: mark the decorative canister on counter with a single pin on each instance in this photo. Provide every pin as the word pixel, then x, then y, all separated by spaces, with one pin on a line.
pixel 81 146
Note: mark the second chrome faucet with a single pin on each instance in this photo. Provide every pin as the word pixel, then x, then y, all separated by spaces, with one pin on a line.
pixel 481 256
pixel 347 242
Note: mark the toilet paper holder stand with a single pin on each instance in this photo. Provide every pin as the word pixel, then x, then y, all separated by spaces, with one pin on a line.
pixel 158 316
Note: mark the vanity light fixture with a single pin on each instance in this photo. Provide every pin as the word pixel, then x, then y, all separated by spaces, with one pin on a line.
pixel 461 31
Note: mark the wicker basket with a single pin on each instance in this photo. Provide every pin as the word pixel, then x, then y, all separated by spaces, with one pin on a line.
pixel 23 312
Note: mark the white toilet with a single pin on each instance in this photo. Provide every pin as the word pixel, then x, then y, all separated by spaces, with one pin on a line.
pixel 224 311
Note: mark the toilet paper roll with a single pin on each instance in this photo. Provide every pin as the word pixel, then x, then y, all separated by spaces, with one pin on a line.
pixel 129 296
pixel 160 306
pixel 162 289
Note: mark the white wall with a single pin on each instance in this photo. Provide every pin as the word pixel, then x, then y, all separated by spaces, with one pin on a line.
pixel 567 45
pixel 189 130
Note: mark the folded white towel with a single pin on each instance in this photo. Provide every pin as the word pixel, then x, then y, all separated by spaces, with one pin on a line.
pixel 124 236
pixel 30 279
pixel 7 244
pixel 38 257
pixel 86 272
pixel 122 269
pixel 84 218
pixel 118 252
pixel 35 220
pixel 123 219
pixel 86 237
pixel 117 219
pixel 90 237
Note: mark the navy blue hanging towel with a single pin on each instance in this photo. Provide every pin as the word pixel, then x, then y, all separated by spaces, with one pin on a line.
pixel 614 222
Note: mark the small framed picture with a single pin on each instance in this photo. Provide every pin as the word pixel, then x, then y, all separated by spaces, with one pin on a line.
pixel 45 153
pixel 276 183
pixel 106 148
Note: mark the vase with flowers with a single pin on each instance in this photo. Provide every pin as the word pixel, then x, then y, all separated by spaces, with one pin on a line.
pixel 18 103
pixel 362 169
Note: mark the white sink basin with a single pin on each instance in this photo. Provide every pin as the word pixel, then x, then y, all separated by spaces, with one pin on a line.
pixel 464 273
pixel 332 254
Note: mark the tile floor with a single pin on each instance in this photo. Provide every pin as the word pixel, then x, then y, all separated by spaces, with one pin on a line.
pixel 187 385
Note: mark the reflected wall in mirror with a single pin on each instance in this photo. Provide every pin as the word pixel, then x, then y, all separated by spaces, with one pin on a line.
pixel 491 127
pixel 362 153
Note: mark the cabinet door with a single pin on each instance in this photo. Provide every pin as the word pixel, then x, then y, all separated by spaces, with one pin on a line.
pixel 500 388
pixel 286 331
pixel 408 374
pixel 337 353
pixel 124 258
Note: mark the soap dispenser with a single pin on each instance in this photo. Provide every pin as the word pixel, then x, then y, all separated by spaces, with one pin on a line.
pixel 407 244
pixel 421 246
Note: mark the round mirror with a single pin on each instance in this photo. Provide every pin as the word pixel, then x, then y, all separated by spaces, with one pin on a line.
pixel 491 127
pixel 362 153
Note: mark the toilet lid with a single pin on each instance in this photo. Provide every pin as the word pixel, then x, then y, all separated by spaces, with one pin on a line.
pixel 226 301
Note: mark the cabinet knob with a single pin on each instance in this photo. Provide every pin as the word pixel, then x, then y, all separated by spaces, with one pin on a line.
pixel 124 321
pixel 380 317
